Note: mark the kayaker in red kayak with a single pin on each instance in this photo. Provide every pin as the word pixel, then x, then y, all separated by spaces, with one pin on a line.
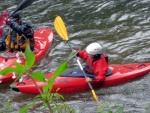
pixel 20 34
pixel 96 61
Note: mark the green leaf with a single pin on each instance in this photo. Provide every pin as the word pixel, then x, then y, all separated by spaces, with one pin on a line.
pixel 30 57
pixel 44 97
pixel 38 76
pixel 100 107
pixel 50 83
pixel 60 69
pixel 37 98
pixel 120 109
pixel 19 68
pixel 7 70
pixel 25 109
pixel 72 55
pixel 45 89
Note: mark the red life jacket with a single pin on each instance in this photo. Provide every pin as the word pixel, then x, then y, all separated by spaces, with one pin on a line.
pixel 89 63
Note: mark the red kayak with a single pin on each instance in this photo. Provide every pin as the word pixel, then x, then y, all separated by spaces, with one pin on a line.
pixel 73 80
pixel 43 41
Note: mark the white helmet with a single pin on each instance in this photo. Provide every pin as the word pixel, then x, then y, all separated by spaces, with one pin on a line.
pixel 94 48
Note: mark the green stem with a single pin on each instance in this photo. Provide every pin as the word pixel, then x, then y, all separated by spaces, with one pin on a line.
pixel 28 73
pixel 36 85
pixel 48 105
pixel 47 100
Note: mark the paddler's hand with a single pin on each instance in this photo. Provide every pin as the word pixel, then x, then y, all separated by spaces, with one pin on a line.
pixel 88 79
pixel 73 51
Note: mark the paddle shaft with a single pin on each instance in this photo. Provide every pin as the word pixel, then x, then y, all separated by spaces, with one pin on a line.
pixel 23 4
pixel 84 73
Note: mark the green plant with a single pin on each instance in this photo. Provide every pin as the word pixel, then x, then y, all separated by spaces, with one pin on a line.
pixel 50 100
pixel 148 109
pixel 105 108
pixel 6 108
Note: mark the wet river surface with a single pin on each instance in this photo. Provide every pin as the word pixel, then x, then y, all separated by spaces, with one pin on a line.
pixel 122 27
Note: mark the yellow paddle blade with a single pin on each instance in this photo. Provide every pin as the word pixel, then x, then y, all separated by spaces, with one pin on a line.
pixel 60 28
pixel 94 95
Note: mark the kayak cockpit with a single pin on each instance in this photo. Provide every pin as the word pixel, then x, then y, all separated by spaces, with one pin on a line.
pixel 76 72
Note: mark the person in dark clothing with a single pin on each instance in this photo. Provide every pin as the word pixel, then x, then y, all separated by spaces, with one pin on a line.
pixel 18 36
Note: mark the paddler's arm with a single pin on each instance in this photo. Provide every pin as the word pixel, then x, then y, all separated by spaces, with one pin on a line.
pixel 18 28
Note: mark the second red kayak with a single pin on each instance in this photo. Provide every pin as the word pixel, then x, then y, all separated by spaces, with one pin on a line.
pixel 43 41
pixel 73 81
